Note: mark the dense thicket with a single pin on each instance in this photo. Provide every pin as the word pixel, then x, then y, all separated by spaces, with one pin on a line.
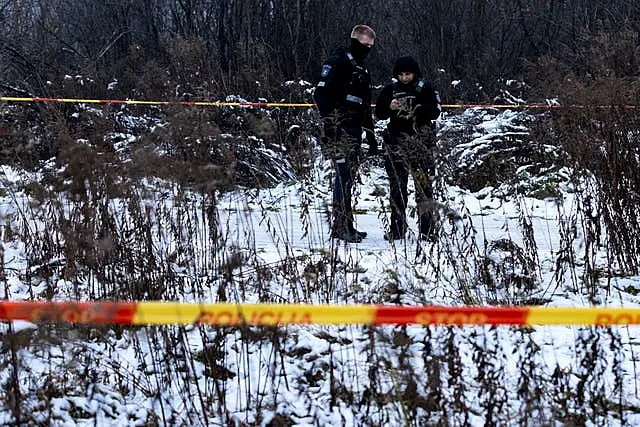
pixel 208 47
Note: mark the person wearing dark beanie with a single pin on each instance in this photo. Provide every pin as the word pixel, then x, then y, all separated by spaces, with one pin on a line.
pixel 407 64
pixel 412 105
pixel 343 99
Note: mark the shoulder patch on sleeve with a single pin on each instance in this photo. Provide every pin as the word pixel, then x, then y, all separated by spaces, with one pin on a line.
pixel 325 70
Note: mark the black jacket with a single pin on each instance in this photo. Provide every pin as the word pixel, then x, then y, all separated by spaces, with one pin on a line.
pixel 344 92
pixel 422 106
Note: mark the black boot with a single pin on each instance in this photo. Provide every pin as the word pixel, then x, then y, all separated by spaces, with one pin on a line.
pixel 350 236
pixel 427 227
pixel 362 234
pixel 343 229
pixel 396 231
pixel 352 230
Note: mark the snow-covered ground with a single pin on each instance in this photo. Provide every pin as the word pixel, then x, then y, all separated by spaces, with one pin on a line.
pixel 277 249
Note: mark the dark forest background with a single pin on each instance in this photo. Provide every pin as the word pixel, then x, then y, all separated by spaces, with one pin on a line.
pixel 210 48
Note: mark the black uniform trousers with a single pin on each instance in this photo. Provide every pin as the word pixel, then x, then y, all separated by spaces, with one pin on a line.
pixel 344 150
pixel 410 155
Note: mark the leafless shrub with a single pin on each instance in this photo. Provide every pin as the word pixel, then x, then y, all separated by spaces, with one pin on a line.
pixel 100 223
pixel 599 133
pixel 507 273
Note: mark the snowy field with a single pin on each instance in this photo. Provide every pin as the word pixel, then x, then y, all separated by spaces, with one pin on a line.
pixel 277 249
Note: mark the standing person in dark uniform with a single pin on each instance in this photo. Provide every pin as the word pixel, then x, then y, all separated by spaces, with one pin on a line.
pixel 412 105
pixel 343 97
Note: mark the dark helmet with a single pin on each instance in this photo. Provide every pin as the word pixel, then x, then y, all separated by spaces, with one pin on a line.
pixel 406 64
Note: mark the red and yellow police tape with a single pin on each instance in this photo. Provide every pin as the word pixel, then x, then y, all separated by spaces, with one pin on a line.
pixel 134 102
pixel 274 104
pixel 167 313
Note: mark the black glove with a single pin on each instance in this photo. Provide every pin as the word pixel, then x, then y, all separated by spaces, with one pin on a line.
pixel 373 143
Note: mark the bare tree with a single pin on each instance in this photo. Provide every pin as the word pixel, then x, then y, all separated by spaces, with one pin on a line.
pixel 244 41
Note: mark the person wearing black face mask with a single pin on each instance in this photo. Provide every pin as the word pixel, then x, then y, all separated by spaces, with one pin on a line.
pixel 343 98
